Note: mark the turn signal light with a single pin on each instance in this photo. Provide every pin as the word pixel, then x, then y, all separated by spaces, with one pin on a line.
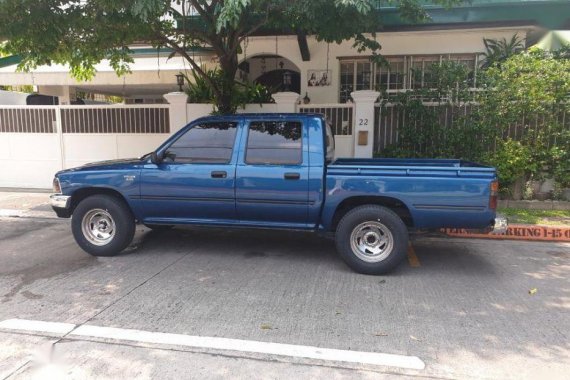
pixel 56 186
pixel 494 195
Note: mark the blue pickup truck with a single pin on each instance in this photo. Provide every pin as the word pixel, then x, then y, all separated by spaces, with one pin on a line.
pixel 275 171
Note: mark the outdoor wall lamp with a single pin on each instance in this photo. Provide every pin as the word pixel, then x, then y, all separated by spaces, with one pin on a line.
pixel 180 81
pixel 286 80
pixel 306 99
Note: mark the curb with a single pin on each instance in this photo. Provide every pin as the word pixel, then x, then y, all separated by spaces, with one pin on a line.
pixel 529 232
pixel 9 213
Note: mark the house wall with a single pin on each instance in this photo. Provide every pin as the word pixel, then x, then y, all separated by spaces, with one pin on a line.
pixel 393 43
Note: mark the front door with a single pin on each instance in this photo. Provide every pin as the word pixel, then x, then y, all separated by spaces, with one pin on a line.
pixel 196 180
pixel 272 175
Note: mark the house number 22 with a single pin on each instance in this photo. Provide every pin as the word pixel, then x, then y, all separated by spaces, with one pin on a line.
pixel 362 121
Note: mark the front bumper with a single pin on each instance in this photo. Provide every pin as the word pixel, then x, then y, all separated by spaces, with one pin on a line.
pixel 61 205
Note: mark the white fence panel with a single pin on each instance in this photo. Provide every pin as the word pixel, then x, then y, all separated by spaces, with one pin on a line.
pixel 80 149
pixel 343 146
pixel 137 145
pixel 28 160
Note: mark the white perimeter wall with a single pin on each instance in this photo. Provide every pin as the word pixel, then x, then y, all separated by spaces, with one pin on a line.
pixel 28 159
pixel 85 148
pixel 31 159
pixel 13 98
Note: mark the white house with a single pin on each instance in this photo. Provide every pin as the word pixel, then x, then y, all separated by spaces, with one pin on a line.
pixel 455 34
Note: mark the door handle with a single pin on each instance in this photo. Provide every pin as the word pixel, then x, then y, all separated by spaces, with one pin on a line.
pixel 292 176
pixel 219 174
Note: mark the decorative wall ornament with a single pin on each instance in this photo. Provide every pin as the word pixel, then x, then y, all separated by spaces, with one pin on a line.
pixel 319 78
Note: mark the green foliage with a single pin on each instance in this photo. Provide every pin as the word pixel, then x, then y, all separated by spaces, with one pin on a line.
pixel 545 217
pixel 82 33
pixel 23 88
pixel 256 93
pixel 512 160
pixel 528 92
pixel 199 90
pixel 497 51
pixel 559 159
pixel 423 132
pixel 531 90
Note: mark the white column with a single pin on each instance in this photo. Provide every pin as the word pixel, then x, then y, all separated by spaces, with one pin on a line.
pixel 286 101
pixel 178 117
pixel 364 122
pixel 64 93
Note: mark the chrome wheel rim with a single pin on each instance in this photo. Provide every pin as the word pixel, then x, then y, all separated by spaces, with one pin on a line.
pixel 371 241
pixel 98 227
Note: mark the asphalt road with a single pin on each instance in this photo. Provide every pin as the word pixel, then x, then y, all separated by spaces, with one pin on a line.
pixel 464 307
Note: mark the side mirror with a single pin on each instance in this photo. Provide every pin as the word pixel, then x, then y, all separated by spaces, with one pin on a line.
pixel 155 159
pixel 170 156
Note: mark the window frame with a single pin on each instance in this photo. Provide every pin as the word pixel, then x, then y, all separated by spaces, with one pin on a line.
pixel 233 148
pixel 408 64
pixel 246 145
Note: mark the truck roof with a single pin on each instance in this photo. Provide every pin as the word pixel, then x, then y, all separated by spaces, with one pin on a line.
pixel 284 115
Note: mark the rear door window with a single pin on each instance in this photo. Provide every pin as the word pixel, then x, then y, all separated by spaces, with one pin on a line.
pixel 274 143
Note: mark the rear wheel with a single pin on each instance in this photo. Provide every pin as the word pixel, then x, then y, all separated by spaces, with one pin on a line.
pixel 372 239
pixel 102 225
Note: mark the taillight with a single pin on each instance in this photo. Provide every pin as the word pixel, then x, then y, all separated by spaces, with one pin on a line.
pixel 494 195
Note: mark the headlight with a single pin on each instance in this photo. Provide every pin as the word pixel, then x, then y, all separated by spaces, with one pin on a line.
pixel 56 186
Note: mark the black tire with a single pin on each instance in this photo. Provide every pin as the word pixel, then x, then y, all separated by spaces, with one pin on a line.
pixel 122 217
pixel 381 219
pixel 159 227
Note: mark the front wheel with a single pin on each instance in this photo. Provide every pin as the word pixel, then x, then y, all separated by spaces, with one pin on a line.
pixel 102 225
pixel 372 239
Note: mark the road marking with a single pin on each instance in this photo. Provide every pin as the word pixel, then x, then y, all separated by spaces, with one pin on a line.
pixel 37 326
pixel 251 346
pixel 412 258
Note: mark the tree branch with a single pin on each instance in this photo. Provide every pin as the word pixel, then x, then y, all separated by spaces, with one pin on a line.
pixel 193 63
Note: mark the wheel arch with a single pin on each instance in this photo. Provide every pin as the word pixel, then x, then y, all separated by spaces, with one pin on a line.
pixel 85 192
pixel 396 205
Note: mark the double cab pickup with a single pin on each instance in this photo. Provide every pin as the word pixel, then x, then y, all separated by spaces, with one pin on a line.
pixel 275 171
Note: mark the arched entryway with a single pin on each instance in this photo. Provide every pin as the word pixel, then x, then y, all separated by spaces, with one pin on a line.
pixel 273 71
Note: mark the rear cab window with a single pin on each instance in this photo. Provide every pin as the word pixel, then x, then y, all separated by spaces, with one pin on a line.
pixel 274 143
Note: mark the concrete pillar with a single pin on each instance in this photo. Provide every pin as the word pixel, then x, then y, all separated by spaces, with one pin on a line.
pixel 65 94
pixel 286 101
pixel 178 115
pixel 364 122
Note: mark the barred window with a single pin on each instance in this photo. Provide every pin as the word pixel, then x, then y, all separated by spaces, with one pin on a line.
pixel 397 73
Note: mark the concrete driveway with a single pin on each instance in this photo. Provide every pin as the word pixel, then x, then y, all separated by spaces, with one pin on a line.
pixel 466 308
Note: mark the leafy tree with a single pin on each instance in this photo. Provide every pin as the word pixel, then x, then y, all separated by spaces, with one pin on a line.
pixel 82 33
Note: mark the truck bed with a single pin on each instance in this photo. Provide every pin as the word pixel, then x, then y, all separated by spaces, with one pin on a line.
pixel 409 167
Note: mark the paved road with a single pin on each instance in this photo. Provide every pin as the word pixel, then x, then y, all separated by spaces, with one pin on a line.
pixel 465 310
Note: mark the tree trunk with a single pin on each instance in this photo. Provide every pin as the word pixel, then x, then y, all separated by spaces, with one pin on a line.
pixel 226 103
